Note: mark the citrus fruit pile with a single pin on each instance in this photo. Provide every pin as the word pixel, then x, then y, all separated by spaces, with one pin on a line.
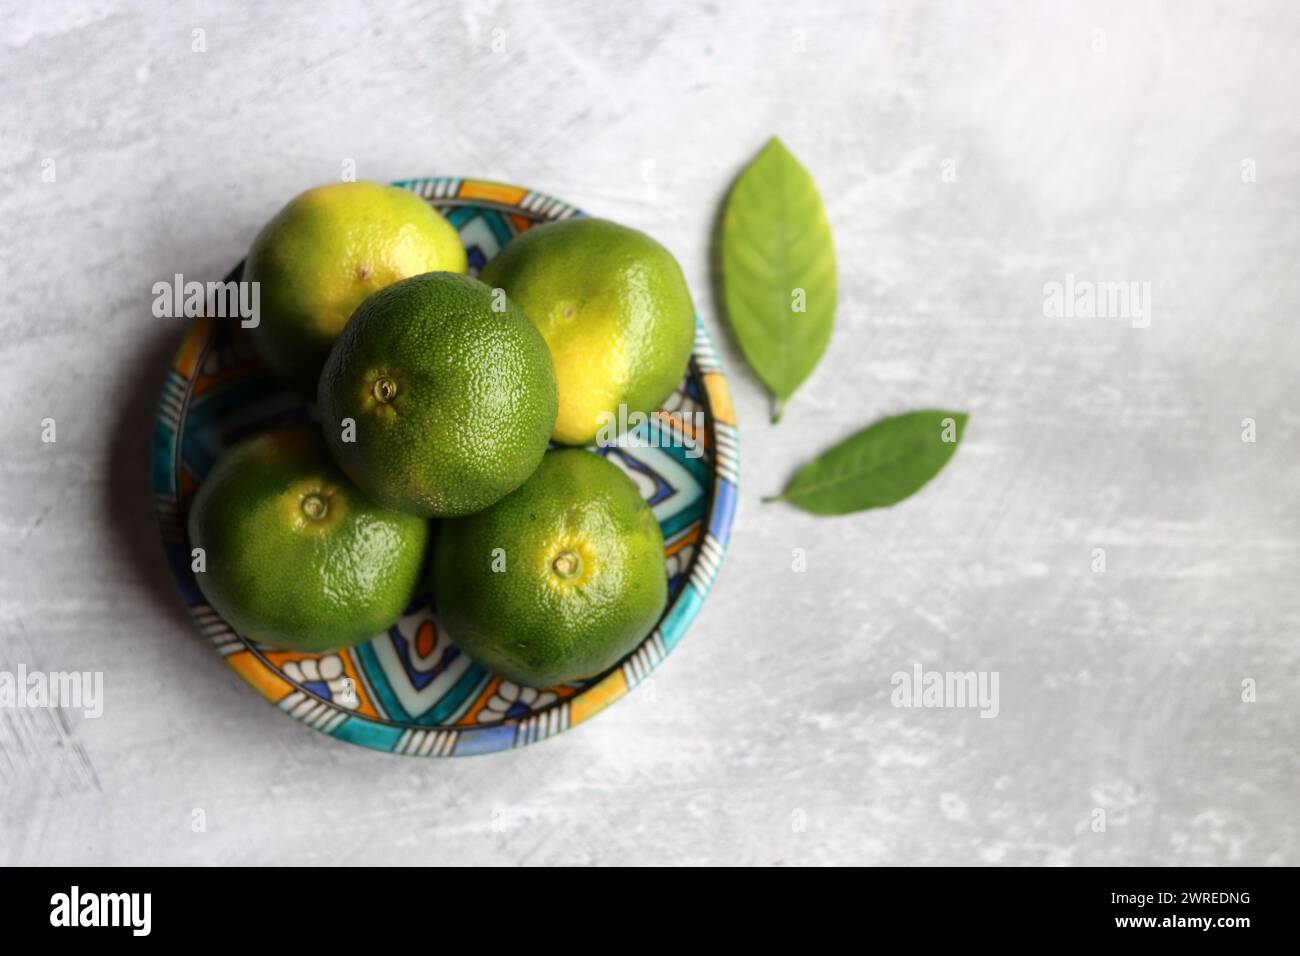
pixel 444 398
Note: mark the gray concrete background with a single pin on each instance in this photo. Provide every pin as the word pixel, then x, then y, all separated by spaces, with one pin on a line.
pixel 1135 142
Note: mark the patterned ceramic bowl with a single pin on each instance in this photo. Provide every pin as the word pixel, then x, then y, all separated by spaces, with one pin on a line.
pixel 410 690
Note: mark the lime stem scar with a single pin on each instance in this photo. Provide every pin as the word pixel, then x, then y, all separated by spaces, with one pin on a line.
pixel 314 506
pixel 566 564
pixel 385 390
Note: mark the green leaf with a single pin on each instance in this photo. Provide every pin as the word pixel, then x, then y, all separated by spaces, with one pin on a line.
pixel 778 270
pixel 879 466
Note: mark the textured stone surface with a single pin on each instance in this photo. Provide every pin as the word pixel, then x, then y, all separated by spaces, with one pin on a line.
pixel 1107 141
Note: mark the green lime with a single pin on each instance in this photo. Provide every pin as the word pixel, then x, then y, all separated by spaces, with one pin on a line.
pixel 616 314
pixel 324 253
pixel 439 396
pixel 558 580
pixel 293 555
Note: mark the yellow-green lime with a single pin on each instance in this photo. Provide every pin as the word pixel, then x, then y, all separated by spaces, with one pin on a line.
pixel 324 253
pixel 292 554
pixel 615 311
pixel 558 580
pixel 439 397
